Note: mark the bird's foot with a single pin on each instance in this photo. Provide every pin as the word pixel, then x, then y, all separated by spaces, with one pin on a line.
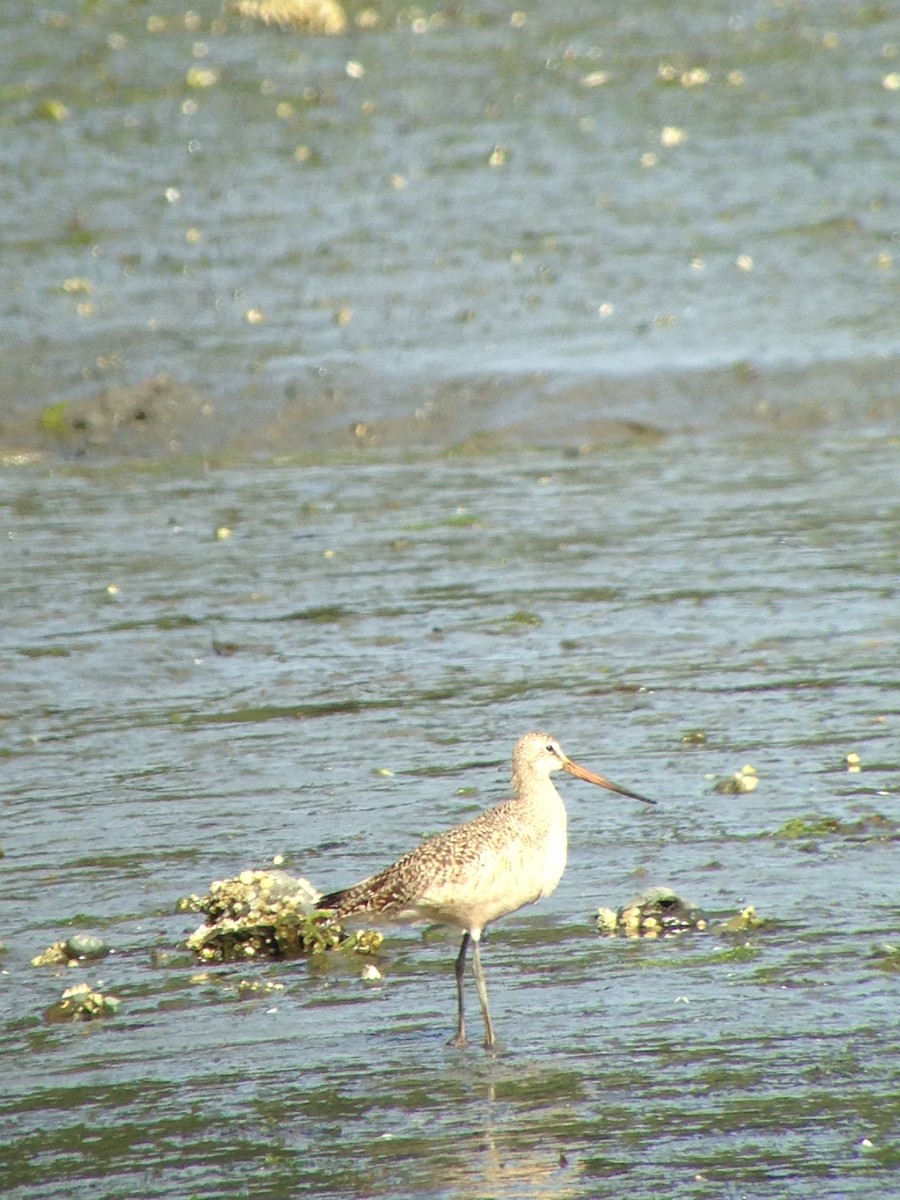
pixel 459 1038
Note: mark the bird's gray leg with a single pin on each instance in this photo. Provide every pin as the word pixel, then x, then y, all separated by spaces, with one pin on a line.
pixel 459 1039
pixel 489 1039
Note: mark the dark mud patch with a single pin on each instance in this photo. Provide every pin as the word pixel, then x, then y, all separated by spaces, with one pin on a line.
pixel 154 418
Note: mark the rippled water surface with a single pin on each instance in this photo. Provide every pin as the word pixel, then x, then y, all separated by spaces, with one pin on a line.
pixel 418 617
pixel 365 402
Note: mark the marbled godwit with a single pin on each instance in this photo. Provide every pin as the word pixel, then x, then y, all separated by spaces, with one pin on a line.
pixel 507 857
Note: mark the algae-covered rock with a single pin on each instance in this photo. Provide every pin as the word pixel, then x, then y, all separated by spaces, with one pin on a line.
pixel 54 956
pixel 658 912
pixel 82 1003
pixel 268 914
pixel 661 912
pixel 79 948
pixel 84 946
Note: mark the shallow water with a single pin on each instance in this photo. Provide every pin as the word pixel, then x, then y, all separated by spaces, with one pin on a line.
pixel 354 422
pixel 418 617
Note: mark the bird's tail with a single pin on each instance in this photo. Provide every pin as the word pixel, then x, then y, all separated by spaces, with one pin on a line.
pixel 343 903
pixel 332 901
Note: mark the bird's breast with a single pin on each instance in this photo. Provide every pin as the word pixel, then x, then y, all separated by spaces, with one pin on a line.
pixel 508 875
pixel 554 858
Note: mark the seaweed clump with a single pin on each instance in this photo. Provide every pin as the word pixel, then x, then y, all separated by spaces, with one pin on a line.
pixel 268 914
pixel 744 780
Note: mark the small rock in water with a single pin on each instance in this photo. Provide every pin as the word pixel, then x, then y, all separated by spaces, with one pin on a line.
pixel 661 912
pixel 79 948
pixel 84 945
pixel 658 912
pixel 82 1003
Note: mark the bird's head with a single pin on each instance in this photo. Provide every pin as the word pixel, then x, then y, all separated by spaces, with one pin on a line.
pixel 538 754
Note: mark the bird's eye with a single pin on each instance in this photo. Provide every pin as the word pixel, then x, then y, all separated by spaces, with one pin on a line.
pixel 551 748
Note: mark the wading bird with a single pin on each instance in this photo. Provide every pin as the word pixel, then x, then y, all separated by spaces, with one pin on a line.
pixel 470 875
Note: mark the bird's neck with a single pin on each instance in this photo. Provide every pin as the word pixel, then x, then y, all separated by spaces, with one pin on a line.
pixel 539 793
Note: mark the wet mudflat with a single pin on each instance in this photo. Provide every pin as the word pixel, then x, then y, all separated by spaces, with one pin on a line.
pixel 421 229
pixel 347 672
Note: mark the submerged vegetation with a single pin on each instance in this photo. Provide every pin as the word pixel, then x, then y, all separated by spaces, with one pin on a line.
pixel 871 827
pixel 887 958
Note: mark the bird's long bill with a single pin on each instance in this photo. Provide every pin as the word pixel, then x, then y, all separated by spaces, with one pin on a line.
pixel 580 772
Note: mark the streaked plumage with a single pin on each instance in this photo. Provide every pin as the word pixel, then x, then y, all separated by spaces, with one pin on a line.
pixel 470 875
